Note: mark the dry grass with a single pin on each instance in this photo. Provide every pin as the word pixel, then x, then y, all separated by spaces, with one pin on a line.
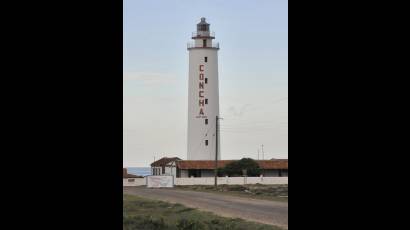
pixel 145 214
pixel 257 191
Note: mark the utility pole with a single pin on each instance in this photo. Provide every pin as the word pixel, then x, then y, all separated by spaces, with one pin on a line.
pixel 263 154
pixel 216 150
pixel 258 154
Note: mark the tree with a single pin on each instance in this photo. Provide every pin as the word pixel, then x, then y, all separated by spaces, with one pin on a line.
pixel 237 168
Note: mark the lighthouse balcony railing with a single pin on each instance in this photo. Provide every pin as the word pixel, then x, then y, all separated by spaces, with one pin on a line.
pixel 203 34
pixel 214 45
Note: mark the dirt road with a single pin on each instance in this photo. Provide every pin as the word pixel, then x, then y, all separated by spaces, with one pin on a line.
pixel 267 212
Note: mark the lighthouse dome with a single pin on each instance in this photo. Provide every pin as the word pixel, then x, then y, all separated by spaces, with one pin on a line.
pixel 203 25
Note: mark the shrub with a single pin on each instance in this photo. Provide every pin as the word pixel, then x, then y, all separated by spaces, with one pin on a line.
pixel 236 168
pixel 184 224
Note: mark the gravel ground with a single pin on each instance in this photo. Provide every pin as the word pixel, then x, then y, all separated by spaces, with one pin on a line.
pixel 262 211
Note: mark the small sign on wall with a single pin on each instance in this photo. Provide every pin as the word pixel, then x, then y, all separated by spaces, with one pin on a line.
pixel 160 181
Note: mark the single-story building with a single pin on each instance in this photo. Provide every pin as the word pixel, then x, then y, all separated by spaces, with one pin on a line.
pixel 129 177
pixel 165 166
pixel 205 168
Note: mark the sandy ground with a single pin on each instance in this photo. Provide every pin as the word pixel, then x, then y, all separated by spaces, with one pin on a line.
pixel 262 211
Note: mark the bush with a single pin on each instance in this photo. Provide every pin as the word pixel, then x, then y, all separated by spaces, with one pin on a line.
pixel 142 223
pixel 239 188
pixel 184 224
pixel 236 168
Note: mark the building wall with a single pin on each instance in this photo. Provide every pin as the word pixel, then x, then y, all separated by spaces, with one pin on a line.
pixel 210 173
pixel 171 171
pixel 275 173
pixel 198 131
pixel 133 181
pixel 156 170
pixel 184 173
pixel 271 173
pixel 207 173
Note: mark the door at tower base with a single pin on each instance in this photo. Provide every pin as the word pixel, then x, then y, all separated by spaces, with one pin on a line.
pixel 160 181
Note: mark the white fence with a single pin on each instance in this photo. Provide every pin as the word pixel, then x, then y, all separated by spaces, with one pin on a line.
pixel 211 181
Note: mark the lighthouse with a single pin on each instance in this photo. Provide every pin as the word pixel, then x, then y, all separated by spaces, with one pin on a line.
pixel 203 94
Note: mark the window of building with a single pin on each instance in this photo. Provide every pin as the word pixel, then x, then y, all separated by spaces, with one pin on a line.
pixel 206 142
pixel 204 43
pixel 131 180
pixel 206 101
pixel 206 80
pixel 206 59
pixel 206 121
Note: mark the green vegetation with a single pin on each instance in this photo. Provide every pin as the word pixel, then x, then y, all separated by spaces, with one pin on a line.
pixel 245 166
pixel 144 214
pixel 257 191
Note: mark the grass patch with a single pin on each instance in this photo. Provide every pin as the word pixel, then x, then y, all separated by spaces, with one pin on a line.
pixel 257 191
pixel 145 214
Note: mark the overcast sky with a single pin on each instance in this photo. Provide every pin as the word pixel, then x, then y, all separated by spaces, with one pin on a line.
pixel 253 76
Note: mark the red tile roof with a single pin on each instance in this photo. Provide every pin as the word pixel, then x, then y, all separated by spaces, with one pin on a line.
pixel 164 161
pixel 204 164
pixel 273 164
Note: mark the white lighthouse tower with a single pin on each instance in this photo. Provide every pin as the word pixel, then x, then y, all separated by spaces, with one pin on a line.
pixel 203 94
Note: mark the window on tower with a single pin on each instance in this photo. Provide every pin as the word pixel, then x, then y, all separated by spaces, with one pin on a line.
pixel 206 101
pixel 206 80
pixel 206 142
pixel 204 43
pixel 206 121
pixel 206 59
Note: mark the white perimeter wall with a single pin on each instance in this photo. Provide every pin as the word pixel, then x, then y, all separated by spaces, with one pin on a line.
pixel 231 180
pixel 211 181
pixel 136 182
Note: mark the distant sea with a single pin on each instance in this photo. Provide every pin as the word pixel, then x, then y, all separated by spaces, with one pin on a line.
pixel 139 171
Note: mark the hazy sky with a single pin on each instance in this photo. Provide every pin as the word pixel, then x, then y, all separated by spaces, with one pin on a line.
pixel 253 76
